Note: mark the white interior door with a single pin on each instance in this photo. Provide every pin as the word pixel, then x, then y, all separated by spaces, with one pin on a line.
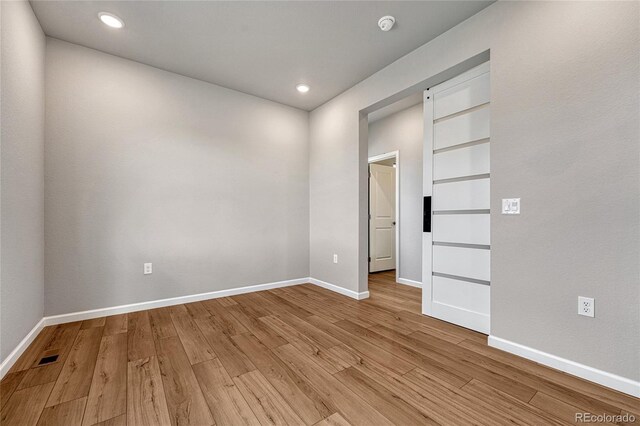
pixel 382 218
pixel 457 255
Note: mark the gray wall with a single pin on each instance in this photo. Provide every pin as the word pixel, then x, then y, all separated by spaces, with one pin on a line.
pixel 565 107
pixel 403 131
pixel 22 184
pixel 143 165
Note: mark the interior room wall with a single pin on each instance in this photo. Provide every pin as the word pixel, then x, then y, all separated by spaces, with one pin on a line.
pixel 22 171
pixel 403 131
pixel 565 88
pixel 142 165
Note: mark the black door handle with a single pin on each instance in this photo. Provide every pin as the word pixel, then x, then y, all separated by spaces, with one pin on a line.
pixel 426 215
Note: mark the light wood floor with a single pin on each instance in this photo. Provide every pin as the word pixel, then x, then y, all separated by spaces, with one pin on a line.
pixel 297 355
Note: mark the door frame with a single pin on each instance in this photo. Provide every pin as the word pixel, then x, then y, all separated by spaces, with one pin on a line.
pixel 375 159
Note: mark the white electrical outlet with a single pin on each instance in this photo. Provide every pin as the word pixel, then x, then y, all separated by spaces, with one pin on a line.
pixel 148 268
pixel 586 306
pixel 335 258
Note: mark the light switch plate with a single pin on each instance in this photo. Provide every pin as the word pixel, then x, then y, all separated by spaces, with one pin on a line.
pixel 148 268
pixel 511 206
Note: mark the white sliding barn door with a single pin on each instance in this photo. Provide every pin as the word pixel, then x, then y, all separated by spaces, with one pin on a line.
pixel 457 255
pixel 382 222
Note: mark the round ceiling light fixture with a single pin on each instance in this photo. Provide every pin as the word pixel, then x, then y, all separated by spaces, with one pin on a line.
pixel 303 88
pixel 386 23
pixel 110 20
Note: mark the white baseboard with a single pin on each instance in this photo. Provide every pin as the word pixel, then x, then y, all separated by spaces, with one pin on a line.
pixel 141 306
pixel 6 364
pixel 11 359
pixel 412 283
pixel 341 290
pixel 603 378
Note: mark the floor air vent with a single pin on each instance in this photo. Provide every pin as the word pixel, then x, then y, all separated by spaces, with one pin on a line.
pixel 48 359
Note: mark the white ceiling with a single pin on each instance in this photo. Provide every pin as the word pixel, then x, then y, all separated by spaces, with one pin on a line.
pixel 261 48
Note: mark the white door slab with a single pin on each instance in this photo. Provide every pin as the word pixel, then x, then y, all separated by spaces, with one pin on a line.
pixel 457 172
pixel 382 233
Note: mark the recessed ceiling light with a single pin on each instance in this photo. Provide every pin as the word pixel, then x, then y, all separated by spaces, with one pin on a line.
pixel 302 88
pixel 110 20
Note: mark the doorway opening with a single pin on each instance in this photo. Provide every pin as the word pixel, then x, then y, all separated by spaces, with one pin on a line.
pixel 384 205
pixel 395 137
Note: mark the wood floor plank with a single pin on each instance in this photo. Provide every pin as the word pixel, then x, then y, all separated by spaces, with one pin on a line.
pixel 116 421
pixel 433 331
pixel 260 330
pixel 303 398
pixel 318 336
pixel 431 404
pixel 461 401
pixel 140 341
pixel 108 393
pixel 399 385
pixel 225 401
pixel 304 343
pixel 66 414
pixel 265 401
pixel 362 346
pixel 388 285
pixel 9 384
pixel 363 315
pixel 320 309
pixel 60 342
pixel 75 378
pixel 95 322
pixel 41 375
pixel 256 305
pixel 425 354
pixel 231 356
pixel 333 420
pixel 354 409
pixel 185 401
pixel 146 402
pixel 559 409
pixel 224 321
pixel 178 310
pixel 279 305
pixel 393 303
pixel 454 378
pixel 193 341
pixel 33 351
pixel 115 324
pixel 522 412
pixel 161 323
pixel 226 301
pixel 443 326
pixel 387 402
pixel 25 406
pixel 196 309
